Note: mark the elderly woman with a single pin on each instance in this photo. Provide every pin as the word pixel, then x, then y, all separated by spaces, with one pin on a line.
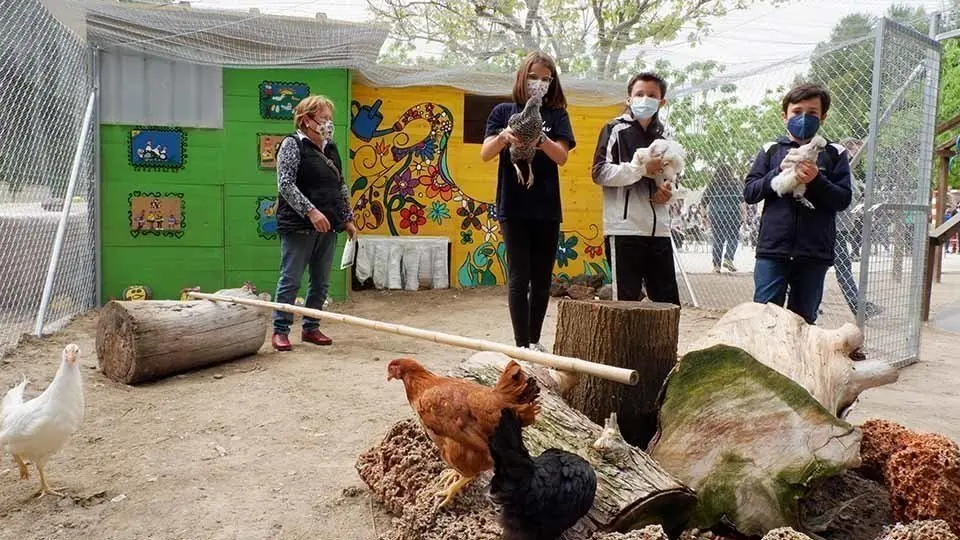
pixel 313 206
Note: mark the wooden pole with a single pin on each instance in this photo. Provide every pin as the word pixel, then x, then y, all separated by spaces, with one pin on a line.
pixel 932 247
pixel 941 208
pixel 565 363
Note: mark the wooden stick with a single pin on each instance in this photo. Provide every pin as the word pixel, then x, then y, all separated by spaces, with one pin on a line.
pixel 565 363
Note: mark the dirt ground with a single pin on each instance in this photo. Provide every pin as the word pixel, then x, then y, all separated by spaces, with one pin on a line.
pixel 265 447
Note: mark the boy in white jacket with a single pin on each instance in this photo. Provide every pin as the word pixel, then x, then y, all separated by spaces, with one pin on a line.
pixel 636 216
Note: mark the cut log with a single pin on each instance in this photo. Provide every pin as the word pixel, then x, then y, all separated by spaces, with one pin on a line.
pixel 632 490
pixel 146 340
pixel 817 359
pixel 747 439
pixel 637 335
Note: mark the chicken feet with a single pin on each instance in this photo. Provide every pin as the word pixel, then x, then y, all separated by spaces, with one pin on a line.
pixel 44 488
pixel 454 483
pixel 24 472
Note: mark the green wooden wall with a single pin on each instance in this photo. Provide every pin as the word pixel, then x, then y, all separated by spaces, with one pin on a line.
pixel 220 181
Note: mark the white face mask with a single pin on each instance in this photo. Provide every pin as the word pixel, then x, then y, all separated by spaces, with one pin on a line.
pixel 644 107
pixel 537 88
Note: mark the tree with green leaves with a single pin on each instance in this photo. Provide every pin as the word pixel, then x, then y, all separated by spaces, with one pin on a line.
pixel 586 37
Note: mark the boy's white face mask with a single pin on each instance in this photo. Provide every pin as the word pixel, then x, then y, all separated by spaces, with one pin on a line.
pixel 644 107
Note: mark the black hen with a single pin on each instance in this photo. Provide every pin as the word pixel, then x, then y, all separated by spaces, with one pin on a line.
pixel 540 497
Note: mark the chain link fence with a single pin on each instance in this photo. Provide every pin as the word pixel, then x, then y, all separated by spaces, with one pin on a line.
pixel 883 88
pixel 46 85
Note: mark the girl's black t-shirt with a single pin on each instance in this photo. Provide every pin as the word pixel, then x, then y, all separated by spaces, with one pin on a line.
pixel 542 200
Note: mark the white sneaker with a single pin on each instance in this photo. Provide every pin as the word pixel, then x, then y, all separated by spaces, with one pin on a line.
pixel 538 347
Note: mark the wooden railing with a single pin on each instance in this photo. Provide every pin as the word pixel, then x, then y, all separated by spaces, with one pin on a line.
pixel 939 237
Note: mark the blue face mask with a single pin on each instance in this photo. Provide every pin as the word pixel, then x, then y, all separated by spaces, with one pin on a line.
pixel 644 107
pixel 803 126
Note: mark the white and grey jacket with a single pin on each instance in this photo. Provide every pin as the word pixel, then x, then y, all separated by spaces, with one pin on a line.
pixel 627 208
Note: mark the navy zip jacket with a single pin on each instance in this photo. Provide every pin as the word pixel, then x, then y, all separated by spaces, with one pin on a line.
pixel 789 230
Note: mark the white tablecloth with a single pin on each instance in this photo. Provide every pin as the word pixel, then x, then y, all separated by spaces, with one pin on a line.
pixel 403 262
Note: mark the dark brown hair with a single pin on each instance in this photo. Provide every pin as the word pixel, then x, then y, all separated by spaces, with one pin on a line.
pixel 649 77
pixel 807 91
pixel 554 98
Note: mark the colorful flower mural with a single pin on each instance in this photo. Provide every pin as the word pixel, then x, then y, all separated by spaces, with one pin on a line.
pixel 402 185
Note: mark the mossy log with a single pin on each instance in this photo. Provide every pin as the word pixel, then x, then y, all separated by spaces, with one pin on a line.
pixel 632 489
pixel 641 336
pixel 821 360
pixel 146 340
pixel 747 439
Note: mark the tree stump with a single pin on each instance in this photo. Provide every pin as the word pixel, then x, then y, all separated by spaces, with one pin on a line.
pixel 142 341
pixel 635 335
pixel 632 489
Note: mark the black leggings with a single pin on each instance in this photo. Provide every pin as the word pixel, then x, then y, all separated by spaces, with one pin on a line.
pixel 531 250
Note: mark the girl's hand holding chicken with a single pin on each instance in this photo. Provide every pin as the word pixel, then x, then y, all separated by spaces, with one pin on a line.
pixel 507 138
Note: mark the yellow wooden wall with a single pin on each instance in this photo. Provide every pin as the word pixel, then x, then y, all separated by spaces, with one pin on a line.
pixel 411 173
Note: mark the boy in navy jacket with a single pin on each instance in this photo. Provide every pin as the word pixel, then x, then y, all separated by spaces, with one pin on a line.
pixel 796 244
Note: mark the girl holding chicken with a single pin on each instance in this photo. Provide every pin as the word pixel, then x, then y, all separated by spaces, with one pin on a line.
pixel 529 213
pixel 636 214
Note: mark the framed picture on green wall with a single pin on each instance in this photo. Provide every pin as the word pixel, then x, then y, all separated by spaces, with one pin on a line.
pixel 157 148
pixel 267 146
pixel 267 217
pixel 278 99
pixel 155 213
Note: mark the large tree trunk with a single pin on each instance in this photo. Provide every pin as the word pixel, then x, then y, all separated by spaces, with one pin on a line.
pixel 636 335
pixel 821 360
pixel 146 340
pixel 632 490
pixel 749 440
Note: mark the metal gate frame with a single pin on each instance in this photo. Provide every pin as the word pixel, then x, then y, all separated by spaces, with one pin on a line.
pixel 929 70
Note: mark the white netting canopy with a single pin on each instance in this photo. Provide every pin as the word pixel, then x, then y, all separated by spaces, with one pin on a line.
pixel 253 39
pixel 250 39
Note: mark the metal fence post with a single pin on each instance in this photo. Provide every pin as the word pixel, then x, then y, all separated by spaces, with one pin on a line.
pixel 97 188
pixel 62 226
pixel 870 180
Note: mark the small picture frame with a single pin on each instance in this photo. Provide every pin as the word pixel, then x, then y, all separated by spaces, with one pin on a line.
pixel 157 148
pixel 278 99
pixel 267 217
pixel 156 214
pixel 267 146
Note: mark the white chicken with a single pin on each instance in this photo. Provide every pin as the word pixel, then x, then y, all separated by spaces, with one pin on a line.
pixel 670 152
pixel 37 429
pixel 786 180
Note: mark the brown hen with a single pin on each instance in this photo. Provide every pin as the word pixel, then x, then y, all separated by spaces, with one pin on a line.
pixel 460 415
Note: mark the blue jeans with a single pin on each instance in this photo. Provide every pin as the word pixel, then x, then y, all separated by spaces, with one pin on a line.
pixel 772 278
pixel 298 250
pixel 726 233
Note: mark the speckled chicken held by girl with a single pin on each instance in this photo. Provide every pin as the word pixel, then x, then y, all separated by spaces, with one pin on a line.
pixel 527 126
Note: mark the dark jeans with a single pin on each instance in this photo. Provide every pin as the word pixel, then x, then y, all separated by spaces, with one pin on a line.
pixel 844 269
pixel 298 250
pixel 726 233
pixel 771 279
pixel 531 250
pixel 639 261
